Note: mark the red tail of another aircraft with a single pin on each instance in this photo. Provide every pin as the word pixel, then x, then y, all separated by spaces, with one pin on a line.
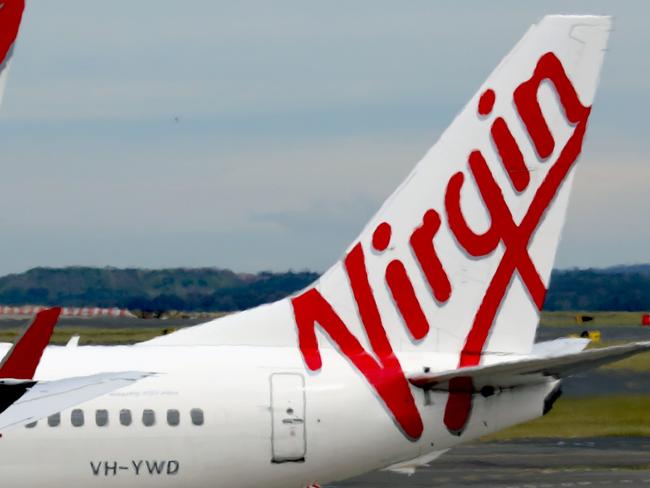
pixel 11 13
pixel 21 361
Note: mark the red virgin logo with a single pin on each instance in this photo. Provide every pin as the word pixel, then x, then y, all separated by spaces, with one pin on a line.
pixel 381 367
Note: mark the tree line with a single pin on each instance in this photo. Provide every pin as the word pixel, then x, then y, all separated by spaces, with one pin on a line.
pixel 212 289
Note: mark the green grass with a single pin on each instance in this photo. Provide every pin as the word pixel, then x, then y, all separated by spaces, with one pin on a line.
pixel 639 363
pixel 620 415
pixel 93 335
pixel 601 319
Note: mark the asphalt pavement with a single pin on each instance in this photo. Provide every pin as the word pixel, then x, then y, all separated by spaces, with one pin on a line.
pixel 547 463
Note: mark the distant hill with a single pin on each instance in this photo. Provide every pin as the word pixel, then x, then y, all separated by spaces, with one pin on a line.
pixel 196 289
pixel 615 288
pixel 212 289
pixel 643 269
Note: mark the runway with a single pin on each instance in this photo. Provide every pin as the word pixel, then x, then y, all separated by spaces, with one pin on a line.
pixel 548 463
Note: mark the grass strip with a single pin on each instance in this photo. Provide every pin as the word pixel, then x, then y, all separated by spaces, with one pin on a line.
pixel 107 336
pixel 602 416
pixel 601 319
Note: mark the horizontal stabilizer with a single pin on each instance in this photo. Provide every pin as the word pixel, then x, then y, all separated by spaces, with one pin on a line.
pixel 525 371
pixel 29 401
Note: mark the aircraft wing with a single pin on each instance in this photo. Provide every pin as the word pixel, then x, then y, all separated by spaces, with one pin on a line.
pixel 25 401
pixel 524 371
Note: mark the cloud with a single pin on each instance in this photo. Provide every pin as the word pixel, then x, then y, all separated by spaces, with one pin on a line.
pixel 295 121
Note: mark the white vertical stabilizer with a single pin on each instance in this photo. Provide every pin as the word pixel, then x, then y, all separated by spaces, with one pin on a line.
pixel 459 258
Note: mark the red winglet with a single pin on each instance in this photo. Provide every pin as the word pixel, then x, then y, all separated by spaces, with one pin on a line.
pixel 22 359
pixel 11 12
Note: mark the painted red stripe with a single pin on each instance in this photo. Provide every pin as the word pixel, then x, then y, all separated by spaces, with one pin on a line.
pixel 427 257
pixel 406 301
pixel 510 154
pixel 459 404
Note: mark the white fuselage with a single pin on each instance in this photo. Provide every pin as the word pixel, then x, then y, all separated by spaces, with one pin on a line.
pixel 261 426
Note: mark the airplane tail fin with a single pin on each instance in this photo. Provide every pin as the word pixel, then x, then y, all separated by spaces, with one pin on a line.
pixel 11 13
pixel 21 361
pixel 458 259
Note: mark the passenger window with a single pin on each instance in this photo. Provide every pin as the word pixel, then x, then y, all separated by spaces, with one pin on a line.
pixel 125 417
pixel 77 417
pixel 101 418
pixel 148 417
pixel 31 425
pixel 197 416
pixel 173 417
pixel 54 420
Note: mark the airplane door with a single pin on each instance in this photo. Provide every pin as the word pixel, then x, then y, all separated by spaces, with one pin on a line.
pixel 288 442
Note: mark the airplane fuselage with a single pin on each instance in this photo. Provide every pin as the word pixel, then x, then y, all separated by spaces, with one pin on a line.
pixel 212 410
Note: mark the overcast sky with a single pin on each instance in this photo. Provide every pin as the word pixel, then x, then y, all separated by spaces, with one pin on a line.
pixel 262 135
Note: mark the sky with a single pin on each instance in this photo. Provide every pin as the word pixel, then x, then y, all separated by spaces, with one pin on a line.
pixel 258 135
